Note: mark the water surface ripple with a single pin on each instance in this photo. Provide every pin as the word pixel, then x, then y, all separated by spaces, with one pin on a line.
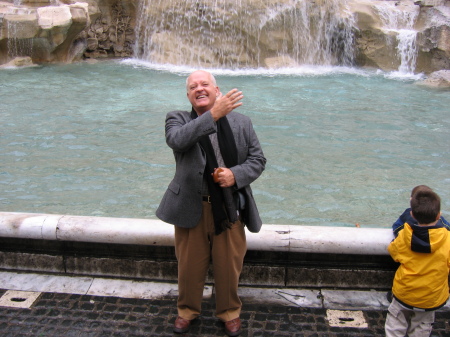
pixel 342 147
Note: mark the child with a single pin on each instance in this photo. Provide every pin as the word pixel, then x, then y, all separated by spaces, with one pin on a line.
pixel 421 282
pixel 406 216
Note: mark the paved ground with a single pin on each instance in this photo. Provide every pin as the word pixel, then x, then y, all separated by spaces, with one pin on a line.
pixel 101 307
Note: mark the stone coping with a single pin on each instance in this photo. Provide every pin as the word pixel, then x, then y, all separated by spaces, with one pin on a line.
pixel 279 238
pixel 350 299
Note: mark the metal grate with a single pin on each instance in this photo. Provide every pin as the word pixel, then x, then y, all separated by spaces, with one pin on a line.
pixel 346 319
pixel 18 299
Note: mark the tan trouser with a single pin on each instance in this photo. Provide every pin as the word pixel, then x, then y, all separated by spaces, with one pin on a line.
pixel 401 321
pixel 194 249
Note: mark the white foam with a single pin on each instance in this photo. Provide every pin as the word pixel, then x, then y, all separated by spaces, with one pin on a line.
pixel 303 70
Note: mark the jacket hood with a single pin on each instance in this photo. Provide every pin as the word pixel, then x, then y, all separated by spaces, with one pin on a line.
pixel 426 239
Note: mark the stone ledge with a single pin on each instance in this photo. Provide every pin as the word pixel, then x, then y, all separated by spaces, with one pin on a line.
pixel 284 256
pixel 281 238
pixel 158 263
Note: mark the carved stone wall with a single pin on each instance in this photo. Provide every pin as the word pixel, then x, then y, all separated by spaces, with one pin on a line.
pixel 54 31
pixel 111 34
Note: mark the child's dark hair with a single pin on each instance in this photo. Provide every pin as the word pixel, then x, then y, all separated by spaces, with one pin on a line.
pixel 420 188
pixel 425 206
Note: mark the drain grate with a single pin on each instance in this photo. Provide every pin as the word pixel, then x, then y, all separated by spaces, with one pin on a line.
pixel 346 319
pixel 18 299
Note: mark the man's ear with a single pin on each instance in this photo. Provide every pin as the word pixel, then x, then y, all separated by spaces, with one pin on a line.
pixel 410 212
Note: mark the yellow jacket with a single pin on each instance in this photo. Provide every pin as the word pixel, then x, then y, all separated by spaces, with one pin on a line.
pixel 421 280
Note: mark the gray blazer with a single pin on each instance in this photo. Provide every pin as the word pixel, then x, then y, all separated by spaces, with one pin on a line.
pixel 181 204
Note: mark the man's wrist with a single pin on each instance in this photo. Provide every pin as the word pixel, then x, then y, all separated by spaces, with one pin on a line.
pixel 213 115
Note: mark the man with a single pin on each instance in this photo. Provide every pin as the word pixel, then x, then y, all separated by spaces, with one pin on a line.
pixel 209 200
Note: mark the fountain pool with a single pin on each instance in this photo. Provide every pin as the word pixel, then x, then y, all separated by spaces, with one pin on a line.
pixel 344 146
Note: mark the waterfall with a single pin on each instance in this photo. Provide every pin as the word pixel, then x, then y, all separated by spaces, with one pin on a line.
pixel 17 44
pixel 407 50
pixel 400 21
pixel 245 34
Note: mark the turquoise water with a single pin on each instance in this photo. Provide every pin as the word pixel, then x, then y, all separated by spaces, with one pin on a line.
pixel 344 146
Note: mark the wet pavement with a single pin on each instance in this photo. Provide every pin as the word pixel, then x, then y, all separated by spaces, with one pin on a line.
pixel 45 305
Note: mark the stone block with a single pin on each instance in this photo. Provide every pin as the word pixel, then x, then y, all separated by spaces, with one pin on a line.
pixel 263 275
pixel 19 62
pixel 354 278
pixel 54 16
pixel 92 44
pixel 31 262
pixel 21 26
pixel 79 15
pixel 430 3
pixel 122 267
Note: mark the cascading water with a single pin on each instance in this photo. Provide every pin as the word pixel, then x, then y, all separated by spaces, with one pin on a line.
pixel 322 32
pixel 245 34
pixel 407 50
pixel 401 22
pixel 17 45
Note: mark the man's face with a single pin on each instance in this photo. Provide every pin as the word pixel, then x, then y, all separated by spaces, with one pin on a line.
pixel 201 91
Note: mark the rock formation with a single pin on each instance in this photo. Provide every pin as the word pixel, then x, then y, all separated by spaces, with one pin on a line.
pixel 250 34
pixel 438 79
pixel 46 34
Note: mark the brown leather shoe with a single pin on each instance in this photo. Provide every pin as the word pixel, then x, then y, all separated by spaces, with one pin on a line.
pixel 233 327
pixel 181 325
